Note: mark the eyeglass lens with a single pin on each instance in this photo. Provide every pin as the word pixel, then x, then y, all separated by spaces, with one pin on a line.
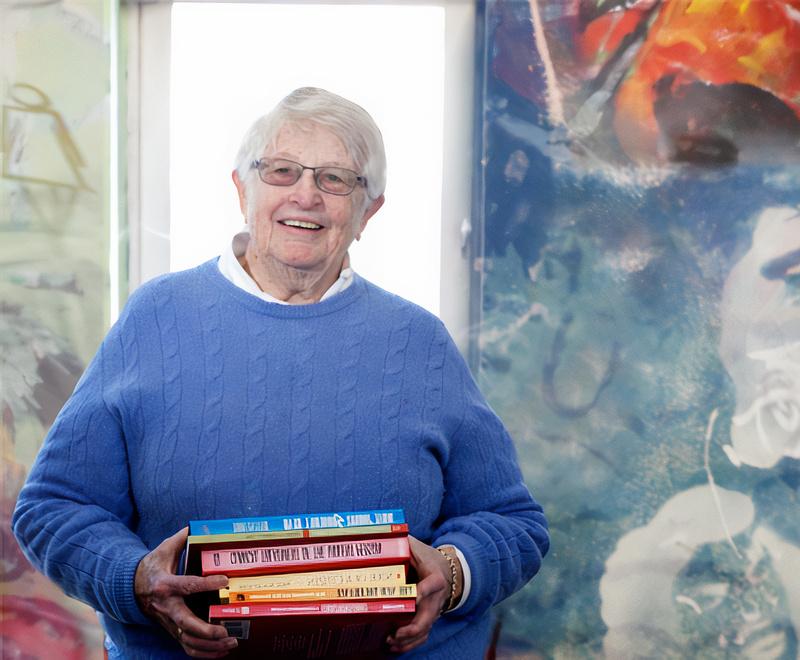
pixel 280 172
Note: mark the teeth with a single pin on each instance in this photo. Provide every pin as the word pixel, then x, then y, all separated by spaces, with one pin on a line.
pixel 301 224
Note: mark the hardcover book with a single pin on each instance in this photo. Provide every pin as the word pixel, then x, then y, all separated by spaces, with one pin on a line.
pixel 263 560
pixel 295 522
pixel 353 629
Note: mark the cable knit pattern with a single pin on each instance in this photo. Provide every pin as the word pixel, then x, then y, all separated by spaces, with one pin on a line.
pixel 211 420
pixel 254 440
pixel 129 391
pixel 300 416
pixel 207 402
pixel 166 465
pixel 390 406
pixel 434 385
pixel 346 398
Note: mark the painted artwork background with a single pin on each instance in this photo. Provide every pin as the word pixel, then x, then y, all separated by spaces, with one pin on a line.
pixel 639 326
pixel 54 279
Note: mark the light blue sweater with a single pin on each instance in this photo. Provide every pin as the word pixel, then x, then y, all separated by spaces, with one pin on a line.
pixel 206 402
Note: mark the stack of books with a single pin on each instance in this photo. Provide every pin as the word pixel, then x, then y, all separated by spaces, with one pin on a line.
pixel 331 585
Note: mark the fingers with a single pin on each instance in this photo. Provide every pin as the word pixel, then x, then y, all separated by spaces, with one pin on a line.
pixel 432 593
pixel 178 538
pixel 160 594
pixel 154 583
pixel 174 544
pixel 185 622
pixel 202 647
pixel 433 586
pixel 198 638
pixel 186 585
pixel 417 548
pixel 412 635
pixel 429 604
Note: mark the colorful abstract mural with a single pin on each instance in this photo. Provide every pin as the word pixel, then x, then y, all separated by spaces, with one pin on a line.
pixel 639 325
pixel 54 275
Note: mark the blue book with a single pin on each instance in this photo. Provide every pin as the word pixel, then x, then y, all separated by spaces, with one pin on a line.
pixel 302 521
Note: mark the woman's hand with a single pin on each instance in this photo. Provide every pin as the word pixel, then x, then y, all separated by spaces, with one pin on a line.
pixel 160 594
pixel 433 593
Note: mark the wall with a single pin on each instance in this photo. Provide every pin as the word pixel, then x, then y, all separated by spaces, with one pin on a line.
pixel 54 272
pixel 639 318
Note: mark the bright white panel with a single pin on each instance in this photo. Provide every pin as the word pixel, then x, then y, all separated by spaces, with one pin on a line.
pixel 232 62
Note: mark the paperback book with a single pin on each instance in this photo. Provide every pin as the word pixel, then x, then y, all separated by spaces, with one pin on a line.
pixel 392 575
pixel 297 522
pixel 319 594
pixel 196 544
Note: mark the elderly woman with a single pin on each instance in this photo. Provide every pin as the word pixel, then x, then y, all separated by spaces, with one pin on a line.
pixel 275 380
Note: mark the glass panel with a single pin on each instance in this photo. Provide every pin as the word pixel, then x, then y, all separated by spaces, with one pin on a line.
pixel 369 43
pixel 54 277
pixel 640 316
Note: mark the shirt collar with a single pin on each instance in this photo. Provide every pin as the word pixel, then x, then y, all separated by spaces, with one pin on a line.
pixel 232 270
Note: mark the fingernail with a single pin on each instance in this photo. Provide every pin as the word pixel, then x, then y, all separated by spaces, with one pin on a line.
pixel 233 643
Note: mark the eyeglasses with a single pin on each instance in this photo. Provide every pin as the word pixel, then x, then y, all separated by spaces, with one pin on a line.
pixel 282 172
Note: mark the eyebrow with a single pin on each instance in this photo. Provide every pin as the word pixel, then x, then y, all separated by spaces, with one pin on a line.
pixel 334 163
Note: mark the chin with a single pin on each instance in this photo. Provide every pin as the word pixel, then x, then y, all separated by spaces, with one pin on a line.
pixel 305 264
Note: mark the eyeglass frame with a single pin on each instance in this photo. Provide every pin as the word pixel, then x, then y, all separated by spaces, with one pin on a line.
pixel 360 180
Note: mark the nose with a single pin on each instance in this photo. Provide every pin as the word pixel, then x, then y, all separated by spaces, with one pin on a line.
pixel 305 192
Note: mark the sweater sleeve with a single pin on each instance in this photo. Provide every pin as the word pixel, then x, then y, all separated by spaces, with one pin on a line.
pixel 75 514
pixel 488 512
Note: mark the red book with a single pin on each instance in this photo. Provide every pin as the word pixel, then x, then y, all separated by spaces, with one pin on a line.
pixel 267 559
pixel 195 544
pixel 354 629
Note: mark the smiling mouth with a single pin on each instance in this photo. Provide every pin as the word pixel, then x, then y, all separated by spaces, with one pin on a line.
pixel 300 224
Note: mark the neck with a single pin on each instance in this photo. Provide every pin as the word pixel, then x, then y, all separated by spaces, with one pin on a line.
pixel 291 285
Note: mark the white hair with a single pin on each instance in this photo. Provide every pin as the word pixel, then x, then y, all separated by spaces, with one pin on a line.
pixel 349 122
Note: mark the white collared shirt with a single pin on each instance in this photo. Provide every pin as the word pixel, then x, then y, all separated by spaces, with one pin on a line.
pixel 232 270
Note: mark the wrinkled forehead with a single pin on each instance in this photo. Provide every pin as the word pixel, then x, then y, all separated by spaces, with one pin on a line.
pixel 311 144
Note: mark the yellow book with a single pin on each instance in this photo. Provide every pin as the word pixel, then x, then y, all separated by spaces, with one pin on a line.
pixel 392 575
pixel 362 592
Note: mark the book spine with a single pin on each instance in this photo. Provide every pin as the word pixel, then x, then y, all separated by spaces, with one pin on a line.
pixel 304 521
pixel 310 556
pixel 331 593
pixel 394 574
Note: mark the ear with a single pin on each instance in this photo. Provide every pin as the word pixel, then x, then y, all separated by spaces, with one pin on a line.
pixel 240 188
pixel 372 209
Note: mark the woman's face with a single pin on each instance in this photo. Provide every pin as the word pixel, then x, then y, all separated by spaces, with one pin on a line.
pixel 329 222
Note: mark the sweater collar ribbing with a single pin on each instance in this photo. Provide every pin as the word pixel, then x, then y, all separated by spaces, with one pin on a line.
pixel 210 271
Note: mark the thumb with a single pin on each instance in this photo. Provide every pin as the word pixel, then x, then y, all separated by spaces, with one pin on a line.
pixel 177 540
pixel 173 546
pixel 417 548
